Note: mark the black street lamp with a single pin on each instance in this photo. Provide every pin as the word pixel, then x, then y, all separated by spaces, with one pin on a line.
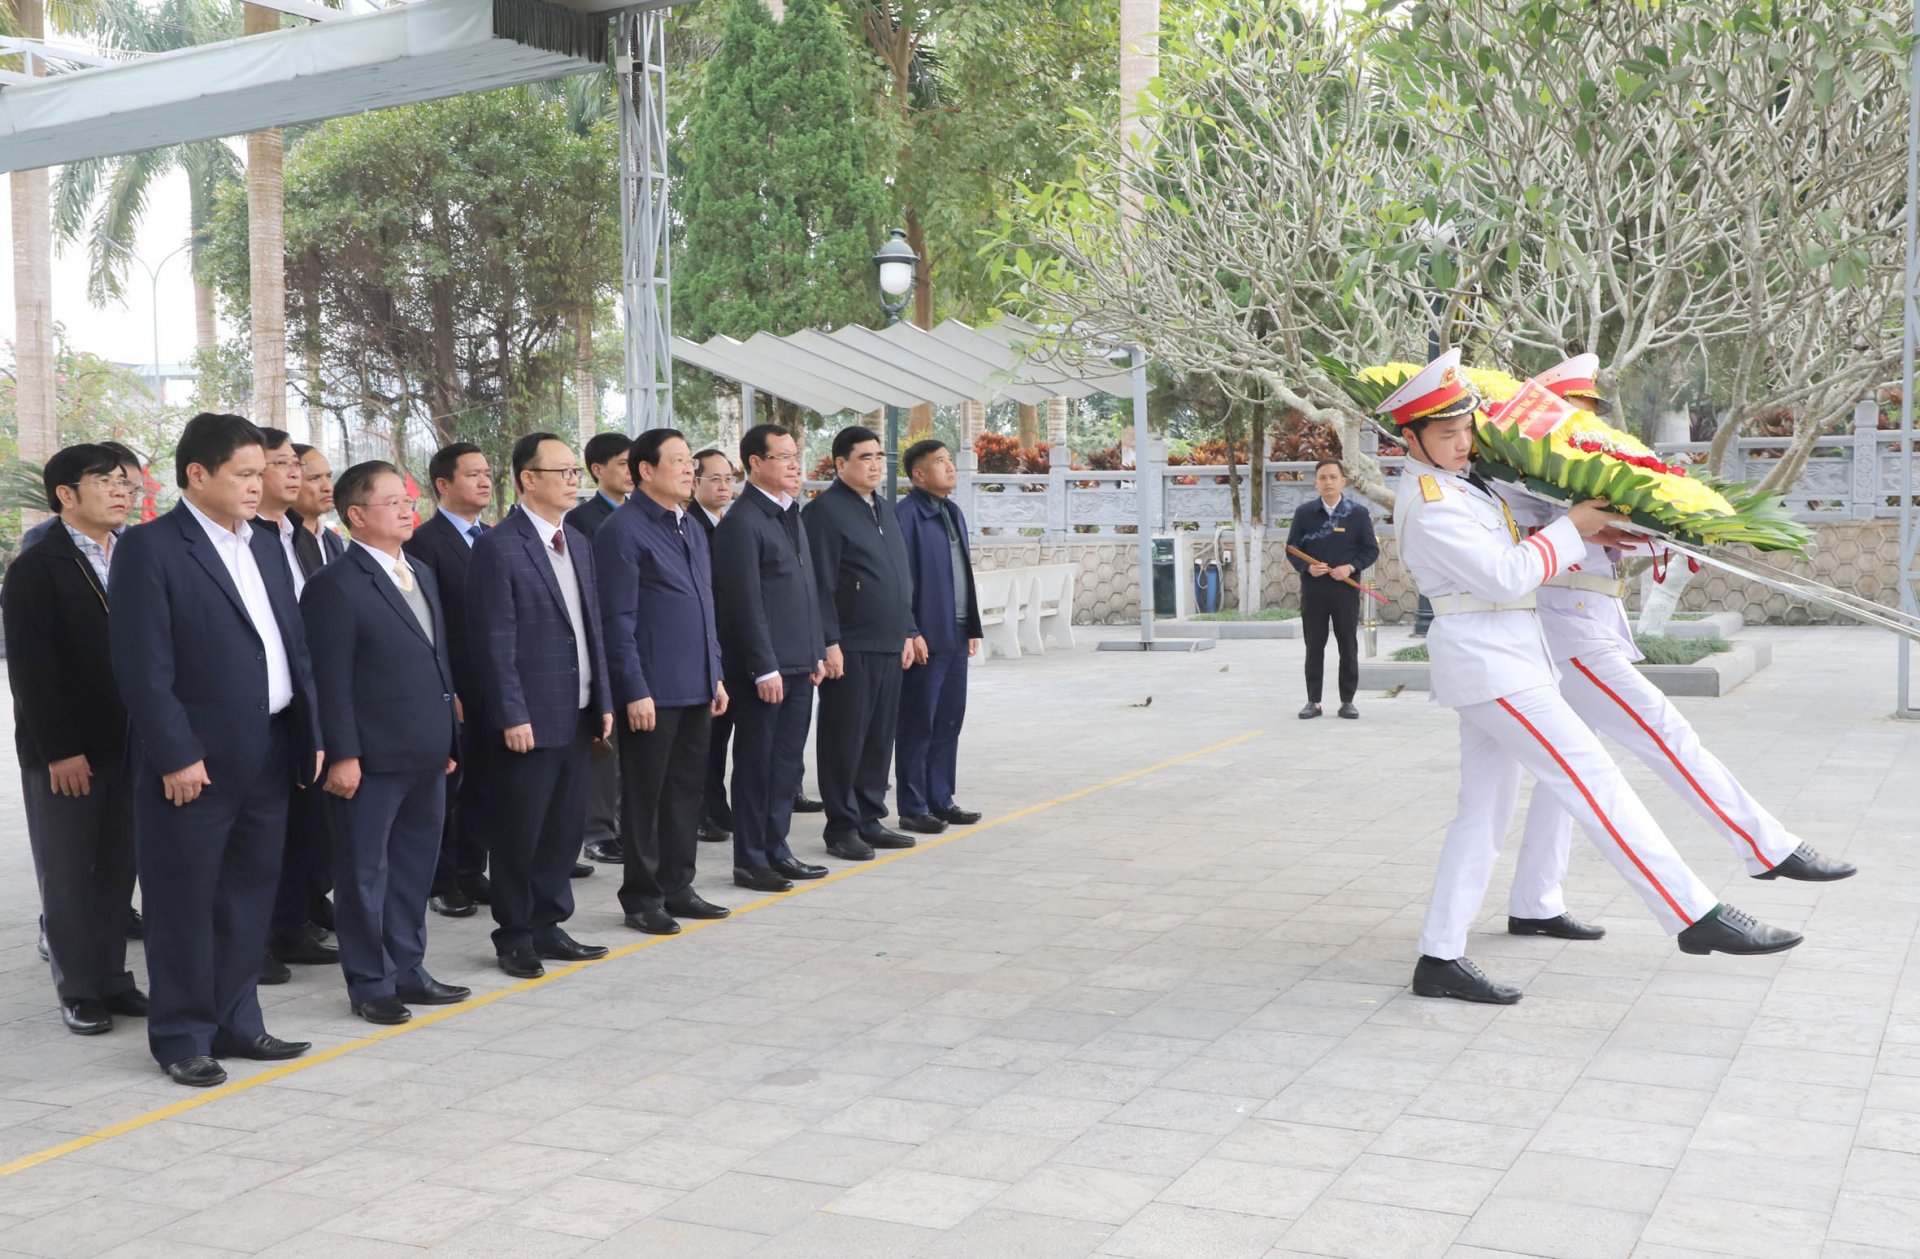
pixel 894 268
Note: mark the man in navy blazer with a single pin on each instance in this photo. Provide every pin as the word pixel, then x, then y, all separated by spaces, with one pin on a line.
pixel 605 455
pixel 656 605
pixel 386 716
pixel 540 673
pixel 219 694
pixel 933 694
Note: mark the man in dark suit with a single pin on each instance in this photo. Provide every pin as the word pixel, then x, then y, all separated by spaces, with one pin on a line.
pixel 541 676
pixel 767 606
pixel 933 694
pixel 656 604
pixel 606 458
pixel 713 483
pixel 866 608
pixel 463 486
pixel 316 500
pixel 70 730
pixel 1338 533
pixel 219 694
pixel 386 715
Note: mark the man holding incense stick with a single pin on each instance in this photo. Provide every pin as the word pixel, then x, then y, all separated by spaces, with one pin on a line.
pixel 1331 543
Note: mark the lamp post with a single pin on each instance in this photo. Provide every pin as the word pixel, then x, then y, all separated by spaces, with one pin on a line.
pixel 153 298
pixel 894 268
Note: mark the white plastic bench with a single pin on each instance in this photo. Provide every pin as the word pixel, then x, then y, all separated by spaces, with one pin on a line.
pixel 1000 593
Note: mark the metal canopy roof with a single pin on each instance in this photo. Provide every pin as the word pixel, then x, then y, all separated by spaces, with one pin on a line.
pixel 859 369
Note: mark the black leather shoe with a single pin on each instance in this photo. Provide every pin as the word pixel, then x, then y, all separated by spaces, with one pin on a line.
pixel 306 950
pixel 655 922
pixel 1459 979
pixel 886 837
pixel 136 925
pixel 1808 866
pixel 690 904
pixel 453 903
pixel 522 964
pixel 954 815
pixel 850 848
pixel 386 1011
pixel 1349 712
pixel 802 803
pixel 266 1047
pixel 710 832
pixel 922 823
pixel 199 1072
pixel 433 992
pixel 274 971
pixel 132 1003
pixel 605 851
pixel 1728 930
pixel 1562 927
pixel 46 954
pixel 86 1017
pixel 561 947
pixel 1309 711
pixel 477 889
pixel 798 871
pixel 759 880
pixel 581 870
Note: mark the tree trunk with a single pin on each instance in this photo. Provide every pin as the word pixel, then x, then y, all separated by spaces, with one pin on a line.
pixel 206 334
pixel 920 422
pixel 1253 574
pixel 35 407
pixel 267 255
pixel 586 400
pixel 1029 426
pixel 316 381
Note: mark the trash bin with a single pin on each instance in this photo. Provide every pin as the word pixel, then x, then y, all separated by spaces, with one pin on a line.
pixel 1166 577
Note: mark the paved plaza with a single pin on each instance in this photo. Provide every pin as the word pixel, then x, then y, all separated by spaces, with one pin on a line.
pixel 1155 1006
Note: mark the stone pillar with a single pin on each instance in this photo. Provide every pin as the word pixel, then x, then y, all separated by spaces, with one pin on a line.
pixel 973 422
pixel 1062 454
pixel 1865 491
pixel 730 430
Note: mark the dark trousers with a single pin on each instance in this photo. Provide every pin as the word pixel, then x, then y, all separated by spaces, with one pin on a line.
pixel 536 806
pixel 1323 601
pixel 769 757
pixel 662 779
pixel 717 808
pixel 463 835
pixel 603 794
pixel 83 861
pixel 208 871
pixel 306 867
pixel 853 753
pixel 933 705
pixel 386 840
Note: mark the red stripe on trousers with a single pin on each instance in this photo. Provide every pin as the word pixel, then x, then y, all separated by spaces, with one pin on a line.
pixel 1593 804
pixel 1668 753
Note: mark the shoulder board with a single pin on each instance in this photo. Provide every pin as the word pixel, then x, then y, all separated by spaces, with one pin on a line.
pixel 1430 489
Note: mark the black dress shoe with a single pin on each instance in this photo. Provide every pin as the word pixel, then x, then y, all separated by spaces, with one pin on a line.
pixel 86 1017
pixel 136 925
pixel 581 870
pixel 1309 711
pixel 132 1003
pixel 711 832
pixel 46 954
pixel 605 851
pixel 453 903
pixel 802 803
pixel 522 964
pixel 1349 712
pixel 199 1072
pixel 1808 866
pixel 1728 930
pixel 655 922
pixel 433 992
pixel 690 904
pixel 954 815
pixel 561 947
pixel 477 889
pixel 922 823
pixel 885 837
pixel 1459 979
pixel 759 880
pixel 266 1047
pixel 274 971
pixel 798 871
pixel 386 1011
pixel 308 949
pixel 1561 927
pixel 850 848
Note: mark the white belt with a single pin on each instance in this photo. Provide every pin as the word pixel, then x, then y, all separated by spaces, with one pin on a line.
pixel 1592 583
pixel 1447 605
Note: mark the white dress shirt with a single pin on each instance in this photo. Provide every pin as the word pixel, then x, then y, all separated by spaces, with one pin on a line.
pixel 236 552
pixel 293 561
pixel 570 595
pixel 711 518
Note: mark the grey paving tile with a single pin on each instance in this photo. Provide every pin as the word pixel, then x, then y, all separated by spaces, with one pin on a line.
pixel 1875 1220
pixel 826 1159
pixel 1562 1230
pixel 1166 1231
pixel 1081 1193
pixel 1736 1227
pixel 1365 1230
pixel 658 1236
pixel 414 1215
pixel 927 1199
pixel 1451 1141
pixel 88 1227
pixel 1152 1151
pixel 253 1221
pixel 584 1206
pixel 846 1237
pixel 1452 1188
pixel 754 1204
pixel 1247 1188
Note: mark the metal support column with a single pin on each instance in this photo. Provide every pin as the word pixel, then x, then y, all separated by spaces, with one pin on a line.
pixel 1910 310
pixel 647 271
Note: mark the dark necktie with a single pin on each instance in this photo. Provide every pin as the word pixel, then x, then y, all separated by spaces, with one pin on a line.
pixel 475 530
pixel 559 542
pixel 1479 483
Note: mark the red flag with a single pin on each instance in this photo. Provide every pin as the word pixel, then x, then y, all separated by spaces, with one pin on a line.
pixel 1536 411
pixel 413 495
pixel 148 488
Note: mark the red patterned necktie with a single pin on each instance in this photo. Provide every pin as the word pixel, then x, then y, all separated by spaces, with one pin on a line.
pixel 559 542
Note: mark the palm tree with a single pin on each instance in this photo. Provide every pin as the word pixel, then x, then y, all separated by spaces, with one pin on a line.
pixel 267 253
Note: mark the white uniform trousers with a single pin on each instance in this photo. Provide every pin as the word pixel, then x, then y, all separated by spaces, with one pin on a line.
pixel 1536 731
pixel 1616 700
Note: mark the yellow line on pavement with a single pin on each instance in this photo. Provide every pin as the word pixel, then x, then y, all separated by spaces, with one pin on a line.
pixel 280 1071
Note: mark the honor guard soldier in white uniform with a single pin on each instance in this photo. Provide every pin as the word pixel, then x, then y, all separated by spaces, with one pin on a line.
pixel 1592 644
pixel 1491 664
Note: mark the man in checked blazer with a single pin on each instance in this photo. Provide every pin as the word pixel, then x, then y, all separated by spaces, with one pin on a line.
pixel 540 675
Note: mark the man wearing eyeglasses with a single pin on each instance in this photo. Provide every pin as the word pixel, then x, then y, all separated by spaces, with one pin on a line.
pixel 540 670
pixel 713 482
